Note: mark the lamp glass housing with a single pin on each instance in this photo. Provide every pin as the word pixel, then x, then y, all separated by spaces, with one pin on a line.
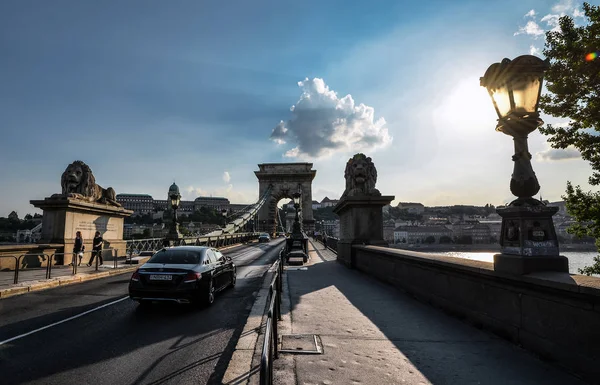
pixel 526 91
pixel 501 99
pixel 515 86
pixel 175 200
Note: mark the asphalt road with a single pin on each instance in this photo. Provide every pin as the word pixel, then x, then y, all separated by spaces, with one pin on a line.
pixel 120 343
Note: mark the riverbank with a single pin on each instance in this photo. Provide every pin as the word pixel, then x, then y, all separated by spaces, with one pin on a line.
pixel 484 248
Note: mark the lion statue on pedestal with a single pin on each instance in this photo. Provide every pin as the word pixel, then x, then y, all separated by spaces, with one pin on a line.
pixel 78 182
pixel 361 177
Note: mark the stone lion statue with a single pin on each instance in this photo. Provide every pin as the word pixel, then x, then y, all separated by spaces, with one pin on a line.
pixel 78 182
pixel 361 177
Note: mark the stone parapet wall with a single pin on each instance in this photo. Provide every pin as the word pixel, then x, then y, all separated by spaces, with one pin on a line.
pixel 555 315
pixel 33 254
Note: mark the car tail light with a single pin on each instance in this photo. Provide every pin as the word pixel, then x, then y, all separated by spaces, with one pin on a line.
pixel 135 276
pixel 192 277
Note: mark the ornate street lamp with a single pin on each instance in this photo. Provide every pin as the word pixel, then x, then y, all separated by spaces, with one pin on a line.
pixel 528 241
pixel 175 200
pixel 224 214
pixel 515 87
pixel 296 228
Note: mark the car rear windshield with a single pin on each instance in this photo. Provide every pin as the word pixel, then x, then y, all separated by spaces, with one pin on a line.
pixel 181 257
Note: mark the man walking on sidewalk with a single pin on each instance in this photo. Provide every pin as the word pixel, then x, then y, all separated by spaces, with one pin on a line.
pixel 96 249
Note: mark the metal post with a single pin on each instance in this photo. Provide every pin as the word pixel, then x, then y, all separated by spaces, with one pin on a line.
pixel 17 263
pixel 49 266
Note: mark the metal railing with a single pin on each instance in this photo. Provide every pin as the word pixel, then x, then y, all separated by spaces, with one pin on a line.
pixel 270 349
pixel 54 261
pixel 135 246
pixel 329 242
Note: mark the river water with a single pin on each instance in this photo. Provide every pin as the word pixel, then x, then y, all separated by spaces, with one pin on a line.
pixel 577 259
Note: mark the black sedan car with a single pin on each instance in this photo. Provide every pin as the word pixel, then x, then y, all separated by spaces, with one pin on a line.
pixel 183 274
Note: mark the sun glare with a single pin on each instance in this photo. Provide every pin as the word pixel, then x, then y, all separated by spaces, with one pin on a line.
pixel 467 107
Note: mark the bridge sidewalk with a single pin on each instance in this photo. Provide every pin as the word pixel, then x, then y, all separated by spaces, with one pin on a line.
pixel 35 279
pixel 371 333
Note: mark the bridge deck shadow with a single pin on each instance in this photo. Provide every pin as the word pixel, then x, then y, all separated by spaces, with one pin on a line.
pixel 372 330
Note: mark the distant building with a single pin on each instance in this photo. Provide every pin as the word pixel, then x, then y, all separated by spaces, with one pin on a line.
pixel 316 205
pixel 495 227
pixel 185 207
pixel 479 233
pixel 411 208
pixel 388 231
pixel 326 202
pixel 141 204
pixel 419 234
pixel 436 221
pixel 562 208
pixel 216 203
pixel 332 227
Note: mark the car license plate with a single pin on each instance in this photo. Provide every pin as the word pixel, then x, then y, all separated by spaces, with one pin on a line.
pixel 160 277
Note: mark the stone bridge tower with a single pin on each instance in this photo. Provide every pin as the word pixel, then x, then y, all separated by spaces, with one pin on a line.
pixel 285 179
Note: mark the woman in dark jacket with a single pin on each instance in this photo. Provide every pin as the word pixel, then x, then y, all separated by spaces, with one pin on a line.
pixel 96 249
pixel 78 248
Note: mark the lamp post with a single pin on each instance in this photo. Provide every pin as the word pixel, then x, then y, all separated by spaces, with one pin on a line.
pixel 224 214
pixel 528 240
pixel 296 228
pixel 174 200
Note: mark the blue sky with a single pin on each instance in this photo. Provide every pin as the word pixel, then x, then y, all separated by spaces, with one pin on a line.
pixel 147 92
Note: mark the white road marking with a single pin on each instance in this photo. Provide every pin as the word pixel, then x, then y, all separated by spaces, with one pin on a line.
pixel 63 321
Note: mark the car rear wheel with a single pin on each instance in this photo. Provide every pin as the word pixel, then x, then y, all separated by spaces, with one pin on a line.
pixel 209 296
pixel 233 279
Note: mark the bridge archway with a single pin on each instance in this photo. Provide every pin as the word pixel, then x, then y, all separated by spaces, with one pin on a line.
pixel 284 179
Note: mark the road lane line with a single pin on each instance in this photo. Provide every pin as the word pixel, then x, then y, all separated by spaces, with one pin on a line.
pixel 63 321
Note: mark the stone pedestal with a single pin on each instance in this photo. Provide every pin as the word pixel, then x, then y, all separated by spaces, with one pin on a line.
pixel 63 217
pixel 361 222
pixel 528 240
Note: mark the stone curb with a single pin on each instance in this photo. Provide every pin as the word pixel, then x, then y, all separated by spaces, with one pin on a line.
pixel 242 368
pixel 30 286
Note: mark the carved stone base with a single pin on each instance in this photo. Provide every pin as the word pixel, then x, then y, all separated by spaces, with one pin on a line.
pixel 519 265
pixel 63 217
pixel 528 230
pixel 528 239
pixel 361 223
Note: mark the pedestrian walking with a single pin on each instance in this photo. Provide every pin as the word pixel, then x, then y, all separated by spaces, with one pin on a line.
pixel 97 249
pixel 78 248
pixel 325 240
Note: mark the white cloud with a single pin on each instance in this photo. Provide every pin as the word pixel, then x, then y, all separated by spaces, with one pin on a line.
pixel 563 6
pixel 531 28
pixel 578 13
pixel 533 50
pixel 552 154
pixel 552 21
pixel 234 196
pixel 191 193
pixel 323 124
pixel 226 177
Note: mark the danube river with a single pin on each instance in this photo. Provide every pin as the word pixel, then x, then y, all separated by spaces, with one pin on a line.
pixel 577 259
